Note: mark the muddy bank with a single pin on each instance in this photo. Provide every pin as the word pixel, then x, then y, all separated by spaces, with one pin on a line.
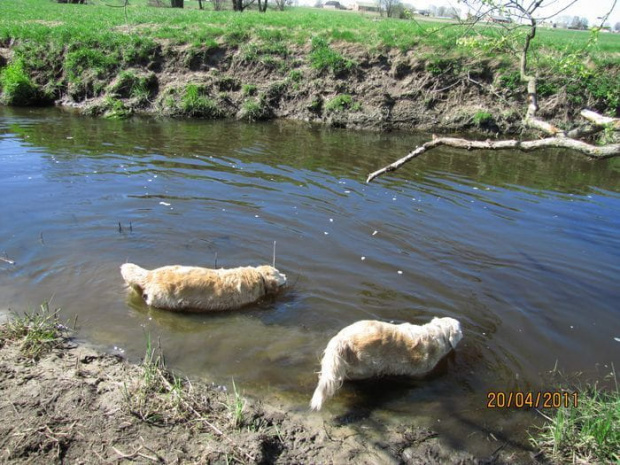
pixel 339 84
pixel 75 404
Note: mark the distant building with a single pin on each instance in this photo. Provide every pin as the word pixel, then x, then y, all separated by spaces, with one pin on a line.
pixel 333 5
pixel 367 6
pixel 499 19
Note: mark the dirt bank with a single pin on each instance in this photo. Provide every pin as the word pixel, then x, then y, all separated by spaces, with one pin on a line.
pixel 77 405
pixel 351 88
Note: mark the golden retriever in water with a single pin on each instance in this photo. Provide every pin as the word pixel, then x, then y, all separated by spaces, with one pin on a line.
pixel 202 289
pixel 371 348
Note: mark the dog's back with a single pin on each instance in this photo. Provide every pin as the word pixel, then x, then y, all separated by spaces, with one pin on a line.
pixel 179 287
pixel 373 348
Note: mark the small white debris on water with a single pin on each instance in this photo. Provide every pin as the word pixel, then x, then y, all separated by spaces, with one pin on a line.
pixel 375 233
pixel 399 272
pixel 165 204
pixel 331 220
pixel 363 258
pixel 617 339
pixel 326 233
pixel 347 192
pixel 256 216
pixel 572 327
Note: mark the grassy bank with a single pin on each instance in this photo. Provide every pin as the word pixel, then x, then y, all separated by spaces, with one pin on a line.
pixel 291 63
pixel 587 431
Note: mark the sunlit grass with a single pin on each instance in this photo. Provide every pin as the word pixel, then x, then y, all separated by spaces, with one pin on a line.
pixel 36 332
pixel 79 49
pixel 98 22
pixel 588 432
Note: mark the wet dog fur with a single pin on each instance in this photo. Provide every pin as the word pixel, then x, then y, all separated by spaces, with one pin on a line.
pixel 370 348
pixel 190 288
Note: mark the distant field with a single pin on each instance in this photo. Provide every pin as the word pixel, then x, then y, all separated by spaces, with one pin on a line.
pixel 82 49
pixel 46 20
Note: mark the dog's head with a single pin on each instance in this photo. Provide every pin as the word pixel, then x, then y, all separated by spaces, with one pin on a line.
pixel 451 328
pixel 273 279
pixel 133 275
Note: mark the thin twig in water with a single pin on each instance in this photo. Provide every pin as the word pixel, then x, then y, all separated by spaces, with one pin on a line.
pixel 6 259
pixel 274 254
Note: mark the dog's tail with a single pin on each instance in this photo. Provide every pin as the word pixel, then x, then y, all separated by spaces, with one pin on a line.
pixel 133 275
pixel 333 372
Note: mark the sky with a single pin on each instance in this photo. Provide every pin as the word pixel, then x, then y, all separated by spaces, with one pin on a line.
pixel 590 9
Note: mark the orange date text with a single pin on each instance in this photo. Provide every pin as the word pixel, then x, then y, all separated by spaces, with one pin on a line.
pixel 540 399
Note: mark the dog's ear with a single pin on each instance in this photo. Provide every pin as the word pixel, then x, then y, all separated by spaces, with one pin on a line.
pixel 455 334
pixel 272 279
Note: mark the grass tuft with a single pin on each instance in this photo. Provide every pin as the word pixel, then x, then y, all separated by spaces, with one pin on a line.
pixel 37 332
pixel 586 433
pixel 158 396
pixel 16 85
pixel 342 102
pixel 236 407
pixel 324 58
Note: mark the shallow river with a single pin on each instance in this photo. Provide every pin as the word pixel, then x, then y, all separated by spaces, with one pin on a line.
pixel 523 249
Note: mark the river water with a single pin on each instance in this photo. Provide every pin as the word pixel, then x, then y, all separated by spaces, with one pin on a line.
pixel 523 249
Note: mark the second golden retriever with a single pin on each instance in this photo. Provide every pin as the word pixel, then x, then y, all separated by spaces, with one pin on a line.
pixel 192 288
pixel 371 348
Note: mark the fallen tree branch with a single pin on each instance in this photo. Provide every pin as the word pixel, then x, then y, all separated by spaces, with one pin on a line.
pixel 593 151
pixel 600 120
pixel 556 137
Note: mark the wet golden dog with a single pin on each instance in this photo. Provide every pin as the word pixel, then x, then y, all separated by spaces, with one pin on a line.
pixel 193 288
pixel 371 348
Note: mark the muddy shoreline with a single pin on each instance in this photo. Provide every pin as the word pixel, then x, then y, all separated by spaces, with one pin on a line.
pixel 76 404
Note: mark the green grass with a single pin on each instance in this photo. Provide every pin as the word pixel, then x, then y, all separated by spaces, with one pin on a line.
pixel 236 407
pixel 342 102
pixel 586 433
pixel 16 85
pixel 62 53
pixel 196 103
pixel 482 117
pixel 43 20
pixel 254 109
pixel 37 332
pixel 324 58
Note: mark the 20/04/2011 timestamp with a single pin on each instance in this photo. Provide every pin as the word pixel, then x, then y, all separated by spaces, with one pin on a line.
pixel 540 399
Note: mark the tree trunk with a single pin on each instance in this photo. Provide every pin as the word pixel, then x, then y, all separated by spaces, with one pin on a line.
pixel 176 3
